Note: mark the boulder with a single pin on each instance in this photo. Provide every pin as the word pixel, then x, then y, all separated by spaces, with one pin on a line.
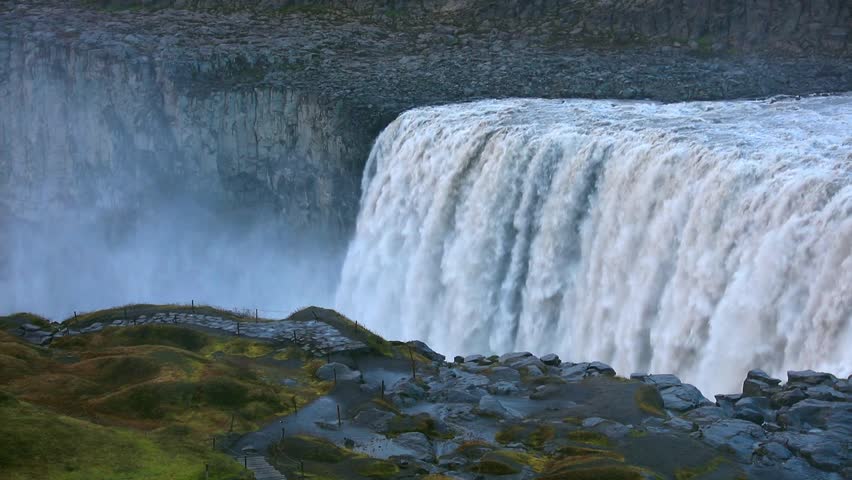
pixel 490 405
pixel 504 374
pixel 474 359
pixel 408 388
pixel 683 397
pixel 824 392
pixel 574 371
pixel 503 388
pixel 787 398
pixel 704 415
pixel 458 359
pixel 544 392
pixel 427 352
pixel 374 419
pixel 344 373
pixel 726 403
pixel 600 368
pixel 738 436
pixel 551 359
pixel 509 358
pixel 825 452
pixel 662 381
pixel 809 414
pixel 762 376
pixel 754 409
pixel 810 377
pixel 417 445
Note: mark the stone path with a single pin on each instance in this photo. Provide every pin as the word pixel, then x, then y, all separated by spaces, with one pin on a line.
pixel 314 336
pixel 261 468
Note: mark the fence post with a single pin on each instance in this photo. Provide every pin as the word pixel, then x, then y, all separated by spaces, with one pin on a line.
pixel 75 314
pixel 334 370
pixel 413 365
pixel 339 423
pixel 255 315
pixel 238 327
pixel 206 471
pixel 295 406
pixel 383 390
pixel 192 303
pixel 302 468
pixel 245 462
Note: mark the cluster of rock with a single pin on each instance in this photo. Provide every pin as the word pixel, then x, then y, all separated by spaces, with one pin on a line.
pixel 314 336
pixel 801 429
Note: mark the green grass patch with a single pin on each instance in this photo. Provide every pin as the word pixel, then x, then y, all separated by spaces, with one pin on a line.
pixel 41 444
pixel 694 472
pixel 15 320
pixel 586 436
pixel 648 400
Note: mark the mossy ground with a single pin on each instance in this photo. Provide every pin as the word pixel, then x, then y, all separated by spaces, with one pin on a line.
pixel 324 460
pixel 140 402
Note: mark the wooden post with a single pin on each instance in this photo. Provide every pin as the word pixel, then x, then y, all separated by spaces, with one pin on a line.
pixel 302 468
pixel 213 438
pixel 335 376
pixel 413 365
pixel 75 314
pixel 282 433
pixel 294 336
pixel 295 406
pixel 383 390
pixel 238 327
pixel 245 462
pixel 339 423
pixel 232 424
pixel 206 471
pixel 328 357
pixel 192 303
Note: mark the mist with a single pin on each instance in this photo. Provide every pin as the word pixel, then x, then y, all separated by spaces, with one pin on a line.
pixel 176 251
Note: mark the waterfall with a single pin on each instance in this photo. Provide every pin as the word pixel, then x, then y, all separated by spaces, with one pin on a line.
pixel 703 238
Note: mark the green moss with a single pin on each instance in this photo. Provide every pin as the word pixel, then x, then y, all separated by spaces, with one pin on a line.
pixel 586 436
pixel 33 437
pixel 315 449
pixel 15 320
pixel 374 468
pixel 533 437
pixel 648 400
pixel 496 463
pixel 422 422
pixel 693 472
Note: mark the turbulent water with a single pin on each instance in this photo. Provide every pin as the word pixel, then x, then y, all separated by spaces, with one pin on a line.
pixel 701 238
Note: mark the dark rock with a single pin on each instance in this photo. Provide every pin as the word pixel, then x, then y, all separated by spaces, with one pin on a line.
pixel 513 357
pixel 741 437
pixel 504 374
pixel 600 368
pixel 789 397
pixel 683 397
pixel 503 388
pixel 427 352
pixel 29 327
pixel 374 419
pixel 344 373
pixel 762 376
pixel 809 414
pixel 704 415
pixel 490 405
pixel 458 359
pixel 474 359
pixel 822 451
pixel 551 359
pixel 754 409
pixel 824 392
pixel 544 392
pixel 417 444
pixel 726 403
pixel 662 381
pixel 810 377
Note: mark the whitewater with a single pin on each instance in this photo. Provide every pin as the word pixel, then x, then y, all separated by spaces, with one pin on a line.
pixel 703 238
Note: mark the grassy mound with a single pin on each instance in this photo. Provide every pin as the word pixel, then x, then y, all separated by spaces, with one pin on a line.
pixel 138 396
pixel 41 444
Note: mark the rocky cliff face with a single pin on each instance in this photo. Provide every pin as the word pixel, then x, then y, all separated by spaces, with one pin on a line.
pixel 272 105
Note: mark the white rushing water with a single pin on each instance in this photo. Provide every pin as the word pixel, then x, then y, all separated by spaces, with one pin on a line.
pixel 703 239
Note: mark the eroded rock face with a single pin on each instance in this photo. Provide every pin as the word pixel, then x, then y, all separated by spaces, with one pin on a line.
pixel 278 111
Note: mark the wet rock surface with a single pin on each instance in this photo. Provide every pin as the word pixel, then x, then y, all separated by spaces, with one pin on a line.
pixel 274 105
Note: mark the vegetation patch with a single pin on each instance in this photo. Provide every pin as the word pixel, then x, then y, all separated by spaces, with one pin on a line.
pixel 691 473
pixel 586 436
pixel 648 400
pixel 532 436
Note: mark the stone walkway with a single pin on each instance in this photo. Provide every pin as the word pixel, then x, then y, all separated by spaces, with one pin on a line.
pixel 314 336
pixel 261 468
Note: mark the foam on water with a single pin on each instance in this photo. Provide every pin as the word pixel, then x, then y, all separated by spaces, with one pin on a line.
pixel 702 238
